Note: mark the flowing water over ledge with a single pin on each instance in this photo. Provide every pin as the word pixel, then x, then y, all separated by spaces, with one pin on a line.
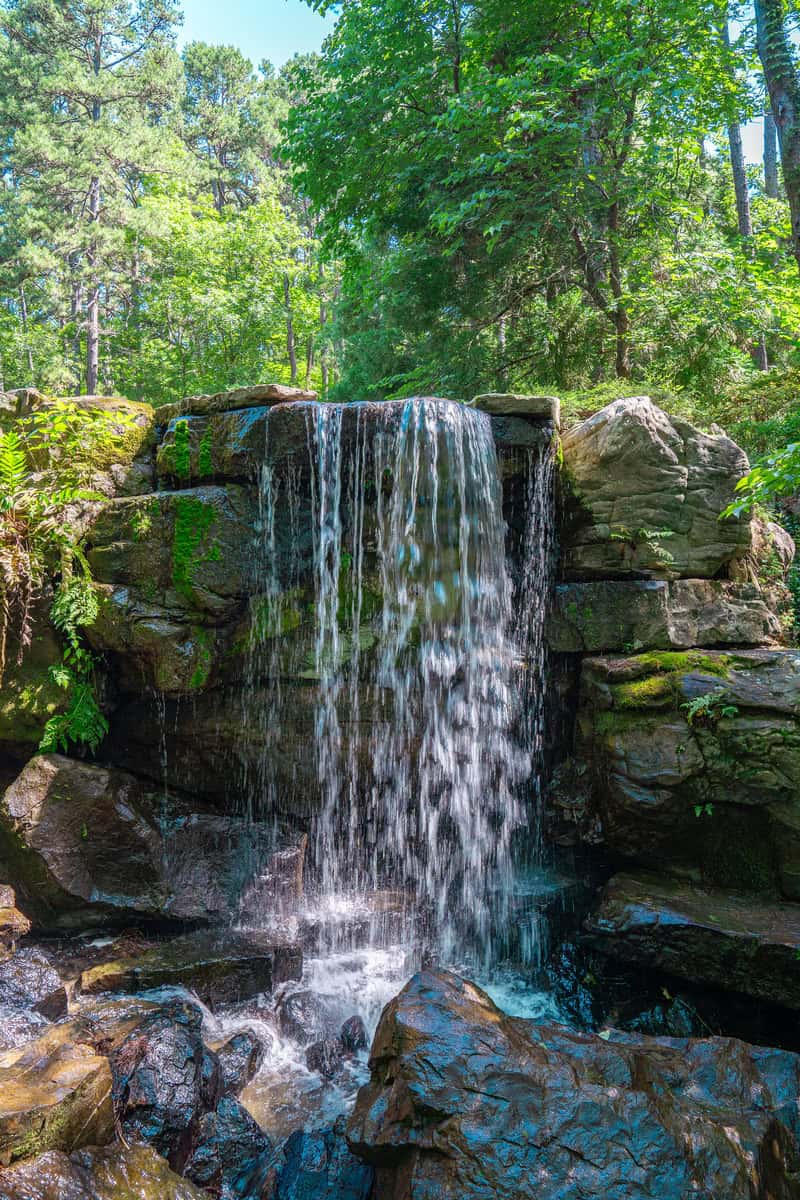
pixel 425 842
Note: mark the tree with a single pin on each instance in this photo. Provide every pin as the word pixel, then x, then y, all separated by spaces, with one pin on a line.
pixel 231 119
pixel 534 150
pixel 85 92
pixel 783 84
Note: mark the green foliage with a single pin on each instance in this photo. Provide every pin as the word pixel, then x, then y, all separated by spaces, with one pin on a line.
pixel 776 475
pixel 709 708
pixel 75 606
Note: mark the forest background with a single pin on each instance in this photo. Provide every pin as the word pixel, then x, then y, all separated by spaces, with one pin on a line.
pixel 450 198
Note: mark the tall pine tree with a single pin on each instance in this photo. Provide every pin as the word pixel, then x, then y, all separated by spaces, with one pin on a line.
pixel 86 86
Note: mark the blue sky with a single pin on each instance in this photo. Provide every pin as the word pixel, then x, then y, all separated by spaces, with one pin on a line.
pixel 273 29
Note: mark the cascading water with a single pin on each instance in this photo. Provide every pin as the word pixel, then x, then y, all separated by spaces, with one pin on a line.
pixel 424 664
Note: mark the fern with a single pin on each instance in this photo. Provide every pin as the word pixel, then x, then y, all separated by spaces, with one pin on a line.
pixel 13 467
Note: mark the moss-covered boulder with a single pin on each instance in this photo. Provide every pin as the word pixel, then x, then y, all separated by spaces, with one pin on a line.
pixel 693 759
pixel 646 493
pixel 53 1097
pixel 116 1172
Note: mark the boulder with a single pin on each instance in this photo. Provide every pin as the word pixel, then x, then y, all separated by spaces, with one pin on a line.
pixel 230 1155
pixel 84 843
pixel 254 395
pixel 306 1017
pixel 240 1057
pixel 28 981
pixel 646 495
pixel 325 1057
pixel 317 1165
pixel 164 1080
pixel 465 1103
pixel 353 1035
pixel 221 968
pixel 110 1173
pixel 634 614
pixel 708 936
pixel 693 761
pixel 53 1097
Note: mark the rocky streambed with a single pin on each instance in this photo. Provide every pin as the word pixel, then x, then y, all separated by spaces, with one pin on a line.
pixel 184 1012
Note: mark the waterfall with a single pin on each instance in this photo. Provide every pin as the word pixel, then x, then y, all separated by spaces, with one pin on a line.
pixel 430 806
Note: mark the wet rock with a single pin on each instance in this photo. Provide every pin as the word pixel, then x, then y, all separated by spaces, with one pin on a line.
pixel 305 1017
pixel 220 969
pixel 632 615
pixel 704 935
pixel 111 1173
pixel 325 1057
pixel 53 1096
pixel 164 1080
pixel 17 1028
pixel 86 845
pixel 318 1166
pixel 353 1035
pixel 694 762
pixel 677 1018
pixel 28 980
pixel 239 1060
pixel 13 924
pixel 466 1103
pixel 231 1154
pixel 647 491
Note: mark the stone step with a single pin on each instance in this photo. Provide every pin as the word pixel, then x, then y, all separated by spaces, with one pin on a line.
pixel 705 935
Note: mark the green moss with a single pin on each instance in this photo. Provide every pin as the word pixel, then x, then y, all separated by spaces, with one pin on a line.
pixel 654 691
pixel 190 542
pixel 205 659
pixel 182 455
pixel 205 464
pixel 685 661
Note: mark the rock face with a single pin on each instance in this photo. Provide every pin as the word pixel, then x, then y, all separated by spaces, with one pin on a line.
pixel 694 763
pixel 634 615
pixel 647 491
pixel 112 1173
pixel 230 1155
pixel 704 935
pixel 83 842
pixel 468 1104
pixel 28 982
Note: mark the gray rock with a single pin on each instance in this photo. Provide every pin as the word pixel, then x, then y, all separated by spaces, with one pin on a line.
pixel 543 1112
pixel 230 1155
pixel 707 936
pixel 87 843
pixel 28 980
pixel 647 492
pixel 509 404
pixel 633 615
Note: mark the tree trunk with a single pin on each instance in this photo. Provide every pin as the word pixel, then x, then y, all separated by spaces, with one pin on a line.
pixel 738 168
pixel 619 313
pixel 23 310
pixel 93 306
pixel 770 156
pixel 290 342
pixel 783 84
